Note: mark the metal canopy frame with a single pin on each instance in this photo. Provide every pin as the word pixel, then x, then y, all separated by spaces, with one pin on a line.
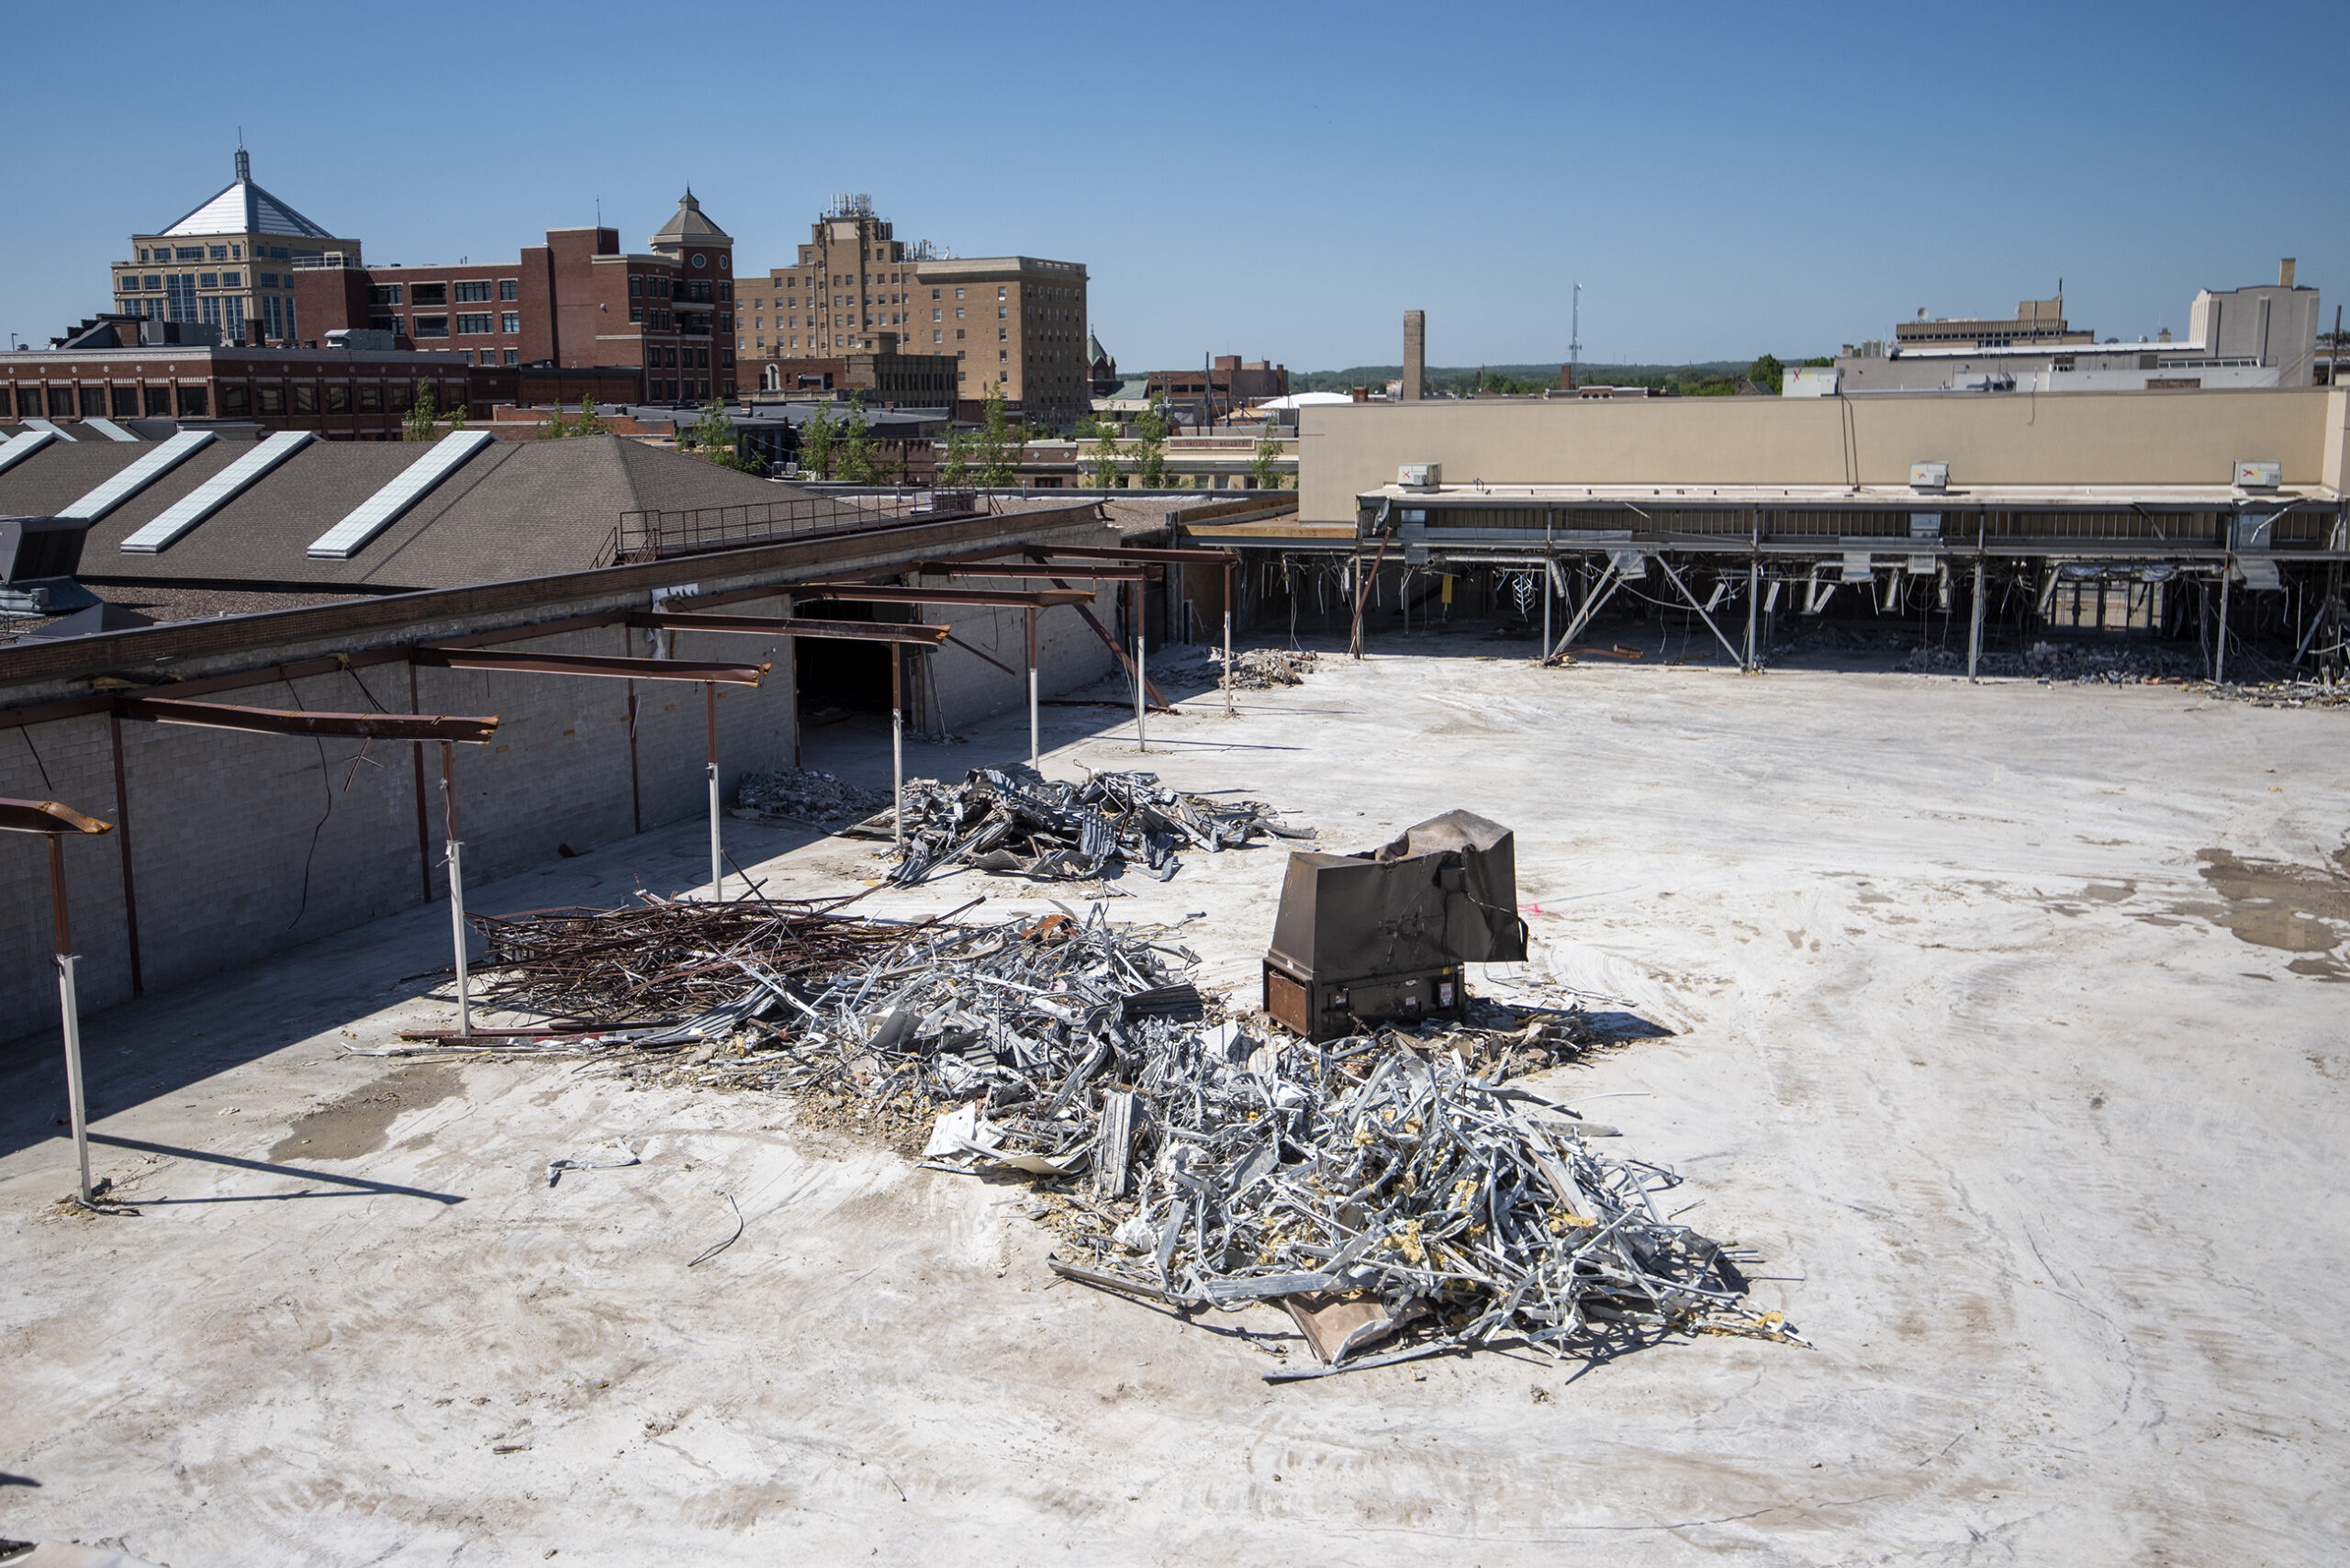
pixel 54 822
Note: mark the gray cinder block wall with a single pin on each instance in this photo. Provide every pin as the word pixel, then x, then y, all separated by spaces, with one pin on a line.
pixel 243 846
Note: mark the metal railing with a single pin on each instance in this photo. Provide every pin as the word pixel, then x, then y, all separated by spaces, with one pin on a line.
pixel 655 535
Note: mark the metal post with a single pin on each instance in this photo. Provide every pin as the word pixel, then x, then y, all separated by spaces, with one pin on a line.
pixel 1754 604
pixel 69 1013
pixel 1141 681
pixel 710 705
pixel 896 747
pixel 1974 622
pixel 456 883
pixel 1035 750
pixel 1544 652
pixel 2220 648
pixel 1227 639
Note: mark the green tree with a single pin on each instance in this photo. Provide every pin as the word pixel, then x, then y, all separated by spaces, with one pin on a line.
pixel 711 439
pixel 1767 372
pixel 955 472
pixel 995 448
pixel 857 465
pixel 421 415
pixel 1104 467
pixel 1150 447
pixel 818 441
pixel 559 428
pixel 1265 466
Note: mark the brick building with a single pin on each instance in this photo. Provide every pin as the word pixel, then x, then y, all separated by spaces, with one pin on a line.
pixel 576 312
pixel 1215 391
pixel 229 263
pixel 885 377
pixel 342 394
pixel 1013 322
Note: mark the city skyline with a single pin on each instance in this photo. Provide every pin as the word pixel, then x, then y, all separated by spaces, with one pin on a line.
pixel 1285 187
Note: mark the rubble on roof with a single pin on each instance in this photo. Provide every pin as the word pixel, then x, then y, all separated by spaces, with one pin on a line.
pixel 1053 829
pixel 1264 669
pixel 805 795
pixel 1395 1195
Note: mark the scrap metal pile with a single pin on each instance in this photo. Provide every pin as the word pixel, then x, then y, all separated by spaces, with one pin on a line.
pixel 1375 1187
pixel 1053 829
pixel 1262 669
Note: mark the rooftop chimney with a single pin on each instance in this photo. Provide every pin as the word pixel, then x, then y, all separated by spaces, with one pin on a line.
pixel 1416 353
pixel 2285 273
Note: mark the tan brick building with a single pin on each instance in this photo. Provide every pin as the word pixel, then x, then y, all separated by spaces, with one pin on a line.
pixel 229 263
pixel 1013 323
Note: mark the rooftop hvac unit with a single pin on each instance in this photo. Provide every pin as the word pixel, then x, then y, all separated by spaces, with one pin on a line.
pixel 1363 939
pixel 1928 475
pixel 2259 475
pixel 1420 475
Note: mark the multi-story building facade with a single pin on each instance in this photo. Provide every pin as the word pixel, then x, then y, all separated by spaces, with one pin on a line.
pixel 2035 321
pixel 883 378
pixel 342 394
pixel 661 321
pixel 1220 390
pixel 1013 322
pixel 229 263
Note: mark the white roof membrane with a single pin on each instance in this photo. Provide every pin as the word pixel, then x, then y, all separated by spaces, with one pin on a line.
pixel 18 448
pixel 386 507
pixel 217 492
pixel 139 475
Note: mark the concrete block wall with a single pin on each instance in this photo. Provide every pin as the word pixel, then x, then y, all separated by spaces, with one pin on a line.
pixel 245 845
pixel 1069 654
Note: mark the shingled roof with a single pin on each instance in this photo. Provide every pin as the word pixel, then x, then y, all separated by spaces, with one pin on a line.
pixel 516 509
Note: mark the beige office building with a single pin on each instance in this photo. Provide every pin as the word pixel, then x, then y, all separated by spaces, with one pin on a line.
pixel 1013 323
pixel 229 263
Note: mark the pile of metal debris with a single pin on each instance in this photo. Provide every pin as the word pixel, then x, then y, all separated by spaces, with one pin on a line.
pixel 1391 1192
pixel 1262 669
pixel 806 796
pixel 1052 829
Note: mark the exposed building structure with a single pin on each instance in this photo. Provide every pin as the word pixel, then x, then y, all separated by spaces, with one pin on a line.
pixel 2206 518
pixel 228 263
pixel 662 320
pixel 1217 390
pixel 884 377
pixel 2260 336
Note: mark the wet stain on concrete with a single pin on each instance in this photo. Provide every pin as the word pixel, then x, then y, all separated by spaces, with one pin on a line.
pixel 359 1122
pixel 2282 905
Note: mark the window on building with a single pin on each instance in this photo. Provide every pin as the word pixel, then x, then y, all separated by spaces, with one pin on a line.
pixel 510 322
pixel 306 399
pixel 1002 313
pixel 473 324
pixel 338 399
pixel 212 310
pixel 939 337
pixel 159 402
pixel 219 252
pixel 237 253
pixel 188 253
pixel 473 291
pixel 270 400
pixel 182 289
pixel 999 292
pixel 126 402
pixel 428 325
pixel 509 288
pixel 959 334
pixel 428 294
pixel 268 280
pixel 385 294
pixel 509 356
pixel 232 280
pixel 636 313
pixel 636 285
pixel 154 282
pixel 128 283
pixel 236 399
pixel 273 316
pixel 207 280
pixel 958 293
pixel 276 253
pixel 399 398
pixel 371 400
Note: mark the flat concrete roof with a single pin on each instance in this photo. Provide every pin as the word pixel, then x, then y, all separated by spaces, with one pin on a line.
pixel 2198 498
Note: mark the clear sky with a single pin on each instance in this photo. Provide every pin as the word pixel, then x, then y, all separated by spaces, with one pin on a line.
pixel 1277 181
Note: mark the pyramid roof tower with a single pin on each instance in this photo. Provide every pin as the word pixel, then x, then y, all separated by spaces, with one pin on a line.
pixel 690 225
pixel 244 207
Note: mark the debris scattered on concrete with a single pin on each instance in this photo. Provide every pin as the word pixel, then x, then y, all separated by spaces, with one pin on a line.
pixel 1393 1192
pixel 628 1157
pixel 807 796
pixel 1263 669
pixel 1051 829
pixel 2277 693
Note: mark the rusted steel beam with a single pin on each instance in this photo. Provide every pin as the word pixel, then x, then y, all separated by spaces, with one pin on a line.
pixel 983 598
pixel 1180 557
pixel 1092 571
pixel 792 626
pixel 47 816
pixel 592 665
pixel 281 722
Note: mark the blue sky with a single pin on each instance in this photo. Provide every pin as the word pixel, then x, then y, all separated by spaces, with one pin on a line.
pixel 1275 181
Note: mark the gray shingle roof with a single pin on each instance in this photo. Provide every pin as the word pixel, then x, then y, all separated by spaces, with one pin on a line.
pixel 689 223
pixel 517 509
